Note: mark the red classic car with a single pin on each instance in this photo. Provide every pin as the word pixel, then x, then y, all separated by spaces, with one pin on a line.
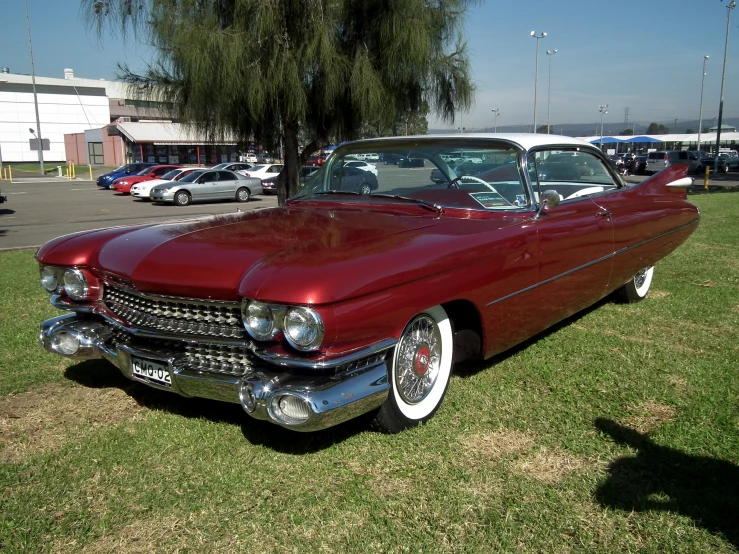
pixel 342 303
pixel 124 184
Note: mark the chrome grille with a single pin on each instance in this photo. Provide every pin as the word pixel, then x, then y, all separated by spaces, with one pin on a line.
pixel 175 315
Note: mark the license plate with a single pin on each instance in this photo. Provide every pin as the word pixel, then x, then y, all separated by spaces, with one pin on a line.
pixel 151 371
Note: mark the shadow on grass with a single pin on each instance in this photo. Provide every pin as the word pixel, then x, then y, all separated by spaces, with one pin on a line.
pixel 100 374
pixel 659 478
pixel 712 188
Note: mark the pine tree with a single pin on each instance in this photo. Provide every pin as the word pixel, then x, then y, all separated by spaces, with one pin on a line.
pixel 271 69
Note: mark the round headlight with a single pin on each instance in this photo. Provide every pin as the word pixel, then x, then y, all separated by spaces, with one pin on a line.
pixel 75 284
pixel 303 328
pixel 50 278
pixel 258 319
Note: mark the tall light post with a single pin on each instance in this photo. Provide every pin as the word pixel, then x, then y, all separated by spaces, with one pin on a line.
pixel 730 7
pixel 35 97
pixel 550 53
pixel 536 73
pixel 603 109
pixel 496 111
pixel 700 112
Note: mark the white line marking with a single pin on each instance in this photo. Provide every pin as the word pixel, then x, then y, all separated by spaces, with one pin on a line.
pixel 18 193
pixel 81 189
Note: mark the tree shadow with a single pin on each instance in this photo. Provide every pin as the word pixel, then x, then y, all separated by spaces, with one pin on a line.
pixel 100 374
pixel 660 478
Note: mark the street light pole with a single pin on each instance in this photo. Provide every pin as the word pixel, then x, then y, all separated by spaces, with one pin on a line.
pixel 550 53
pixel 603 109
pixel 35 97
pixel 730 7
pixel 700 113
pixel 536 73
pixel 496 111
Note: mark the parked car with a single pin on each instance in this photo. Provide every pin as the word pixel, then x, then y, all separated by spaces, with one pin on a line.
pixel 640 164
pixel 250 158
pixel 264 171
pixel 124 184
pixel 236 167
pixel 106 179
pixel 709 162
pixel 364 166
pixel 389 158
pixel 340 304
pixel 269 185
pixel 142 190
pixel 205 185
pixel 349 178
pixel 657 161
pixel 411 162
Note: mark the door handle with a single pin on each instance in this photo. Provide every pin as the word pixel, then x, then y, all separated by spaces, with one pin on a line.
pixel 604 213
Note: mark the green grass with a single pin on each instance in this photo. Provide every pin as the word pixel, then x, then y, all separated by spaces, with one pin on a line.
pixel 49 167
pixel 617 431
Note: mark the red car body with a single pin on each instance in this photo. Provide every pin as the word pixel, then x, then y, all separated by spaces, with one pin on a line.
pixel 124 184
pixel 367 266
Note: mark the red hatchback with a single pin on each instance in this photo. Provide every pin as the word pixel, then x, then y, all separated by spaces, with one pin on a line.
pixel 124 184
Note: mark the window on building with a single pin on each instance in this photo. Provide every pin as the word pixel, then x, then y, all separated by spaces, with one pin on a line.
pixel 95 153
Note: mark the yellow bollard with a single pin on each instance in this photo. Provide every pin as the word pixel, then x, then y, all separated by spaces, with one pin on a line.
pixel 10 174
pixel 705 179
pixel 89 166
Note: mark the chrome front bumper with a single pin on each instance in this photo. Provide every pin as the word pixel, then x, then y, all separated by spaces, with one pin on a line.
pixel 326 399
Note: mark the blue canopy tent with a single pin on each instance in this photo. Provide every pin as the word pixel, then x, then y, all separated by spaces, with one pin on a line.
pixel 607 140
pixel 642 138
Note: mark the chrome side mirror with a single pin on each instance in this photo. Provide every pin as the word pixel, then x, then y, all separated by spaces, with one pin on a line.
pixel 549 199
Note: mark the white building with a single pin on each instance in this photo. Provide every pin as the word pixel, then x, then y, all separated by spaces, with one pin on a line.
pixel 66 106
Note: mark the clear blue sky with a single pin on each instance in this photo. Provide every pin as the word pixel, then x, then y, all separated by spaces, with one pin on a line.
pixel 645 55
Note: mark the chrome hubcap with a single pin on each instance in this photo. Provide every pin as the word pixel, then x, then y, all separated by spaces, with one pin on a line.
pixel 417 360
pixel 640 278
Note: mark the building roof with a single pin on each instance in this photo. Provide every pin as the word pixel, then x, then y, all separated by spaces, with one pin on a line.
pixel 165 133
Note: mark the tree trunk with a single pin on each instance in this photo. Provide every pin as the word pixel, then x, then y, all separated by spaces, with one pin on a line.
pixel 287 183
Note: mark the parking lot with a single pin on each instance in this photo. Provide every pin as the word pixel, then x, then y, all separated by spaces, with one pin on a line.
pixel 40 210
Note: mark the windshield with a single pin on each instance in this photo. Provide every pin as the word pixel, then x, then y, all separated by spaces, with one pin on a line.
pixel 468 173
pixel 192 177
pixel 144 171
pixel 171 175
pixel 221 166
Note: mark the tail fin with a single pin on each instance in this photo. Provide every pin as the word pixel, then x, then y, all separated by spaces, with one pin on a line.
pixel 672 180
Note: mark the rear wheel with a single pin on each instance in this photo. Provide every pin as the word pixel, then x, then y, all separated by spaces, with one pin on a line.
pixel 182 198
pixel 420 372
pixel 638 288
pixel 243 195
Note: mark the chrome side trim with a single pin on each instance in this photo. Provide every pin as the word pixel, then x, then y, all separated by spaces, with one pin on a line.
pixel 599 260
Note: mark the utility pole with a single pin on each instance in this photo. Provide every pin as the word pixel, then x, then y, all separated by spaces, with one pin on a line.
pixel 730 7
pixel 603 109
pixel 536 73
pixel 700 113
pixel 626 118
pixel 35 97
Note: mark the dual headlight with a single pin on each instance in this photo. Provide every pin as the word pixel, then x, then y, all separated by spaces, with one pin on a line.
pixel 74 282
pixel 302 327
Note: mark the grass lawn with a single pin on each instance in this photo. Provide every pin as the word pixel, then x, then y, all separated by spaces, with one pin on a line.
pixel 617 431
pixel 49 167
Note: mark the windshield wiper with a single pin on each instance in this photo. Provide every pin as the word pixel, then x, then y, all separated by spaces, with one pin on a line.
pixel 428 205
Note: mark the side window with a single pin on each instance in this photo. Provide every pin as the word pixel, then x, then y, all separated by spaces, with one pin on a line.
pixel 682 156
pixel 226 176
pixel 209 177
pixel 161 171
pixel 572 174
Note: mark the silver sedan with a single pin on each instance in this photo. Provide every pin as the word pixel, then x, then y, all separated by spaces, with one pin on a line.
pixel 205 185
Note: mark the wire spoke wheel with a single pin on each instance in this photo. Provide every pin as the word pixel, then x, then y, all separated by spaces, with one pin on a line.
pixel 420 372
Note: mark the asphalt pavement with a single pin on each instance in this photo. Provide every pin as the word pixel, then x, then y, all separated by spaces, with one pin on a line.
pixel 40 209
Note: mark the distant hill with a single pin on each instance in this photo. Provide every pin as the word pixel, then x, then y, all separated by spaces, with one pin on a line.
pixel 588 129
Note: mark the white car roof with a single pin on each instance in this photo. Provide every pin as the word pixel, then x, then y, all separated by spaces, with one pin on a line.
pixel 524 140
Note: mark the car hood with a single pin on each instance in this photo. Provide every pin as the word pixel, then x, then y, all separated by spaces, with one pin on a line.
pixel 290 255
pixel 154 182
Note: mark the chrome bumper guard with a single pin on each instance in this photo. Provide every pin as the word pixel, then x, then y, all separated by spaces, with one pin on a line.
pixel 291 399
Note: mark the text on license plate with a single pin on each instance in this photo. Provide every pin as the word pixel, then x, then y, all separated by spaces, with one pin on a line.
pixel 153 371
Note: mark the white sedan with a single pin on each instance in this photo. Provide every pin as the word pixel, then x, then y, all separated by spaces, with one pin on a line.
pixel 142 190
pixel 264 171
pixel 364 166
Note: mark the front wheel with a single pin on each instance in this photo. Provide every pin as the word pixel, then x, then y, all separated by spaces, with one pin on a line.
pixel 638 288
pixel 243 195
pixel 365 189
pixel 182 198
pixel 420 373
